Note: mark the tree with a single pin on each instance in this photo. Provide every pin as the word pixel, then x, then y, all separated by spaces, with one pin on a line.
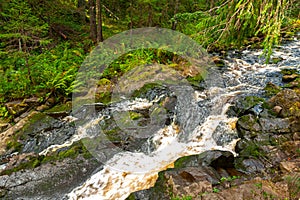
pixel 99 19
pixel 93 25
pixel 232 22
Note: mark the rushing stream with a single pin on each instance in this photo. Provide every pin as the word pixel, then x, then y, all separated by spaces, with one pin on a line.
pixel 136 136
pixel 209 127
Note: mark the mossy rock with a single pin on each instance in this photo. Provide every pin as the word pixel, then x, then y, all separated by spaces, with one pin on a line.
pixel 195 80
pixel 276 60
pixel 295 109
pixel 288 100
pixel 60 111
pixel 67 107
pixel 33 161
pixel 135 115
pixel 142 92
pixel 14 146
pixel 35 123
pixel 158 191
pixel 248 126
pixel 245 104
pixel 103 97
pixel 288 71
pixel 271 89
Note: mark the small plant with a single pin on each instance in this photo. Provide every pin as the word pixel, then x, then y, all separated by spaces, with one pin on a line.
pixel 293 186
pixel 258 185
pixel 216 190
pixel 229 179
pixel 182 198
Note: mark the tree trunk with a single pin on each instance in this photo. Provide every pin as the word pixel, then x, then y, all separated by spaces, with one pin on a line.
pixel 99 25
pixel 174 23
pixel 93 26
pixel 81 5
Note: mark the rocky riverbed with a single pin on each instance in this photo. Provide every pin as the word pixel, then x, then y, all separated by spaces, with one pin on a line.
pixel 43 156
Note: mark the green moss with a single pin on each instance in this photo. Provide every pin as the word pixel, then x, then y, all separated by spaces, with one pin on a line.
pixel 276 60
pixel 271 89
pixel 131 197
pixel 34 161
pixel 103 97
pixel 182 198
pixel 135 115
pixel 14 146
pixel 252 149
pixel 288 71
pixel 146 88
pixel 181 161
pixel 295 109
pixel 31 163
pixel 60 108
pixel 251 101
pixel 195 80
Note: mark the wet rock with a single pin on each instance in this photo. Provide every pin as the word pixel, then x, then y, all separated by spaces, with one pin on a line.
pixel 248 126
pixel 252 166
pixel 246 104
pixel 216 159
pixel 8 135
pixel 44 132
pixel 286 100
pixel 276 125
pixel 40 182
pixel 60 111
pixel 277 109
pixel 271 89
pixel 192 175
pixel 289 78
pixel 34 133
pixel 180 182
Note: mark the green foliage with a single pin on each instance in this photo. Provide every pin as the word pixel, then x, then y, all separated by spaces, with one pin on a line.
pixel 52 72
pixel 231 23
pixel 293 182
pixel 229 179
pixel 20 28
pixel 136 58
pixel 216 190
pixel 182 198
pixel 33 161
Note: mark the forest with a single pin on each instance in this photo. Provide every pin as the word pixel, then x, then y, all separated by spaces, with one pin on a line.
pixel 43 43
pixel 151 123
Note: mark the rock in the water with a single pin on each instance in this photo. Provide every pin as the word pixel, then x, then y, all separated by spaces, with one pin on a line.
pixel 41 182
pixel 286 100
pixel 288 78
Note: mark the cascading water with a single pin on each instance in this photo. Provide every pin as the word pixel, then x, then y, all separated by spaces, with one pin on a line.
pixel 206 127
